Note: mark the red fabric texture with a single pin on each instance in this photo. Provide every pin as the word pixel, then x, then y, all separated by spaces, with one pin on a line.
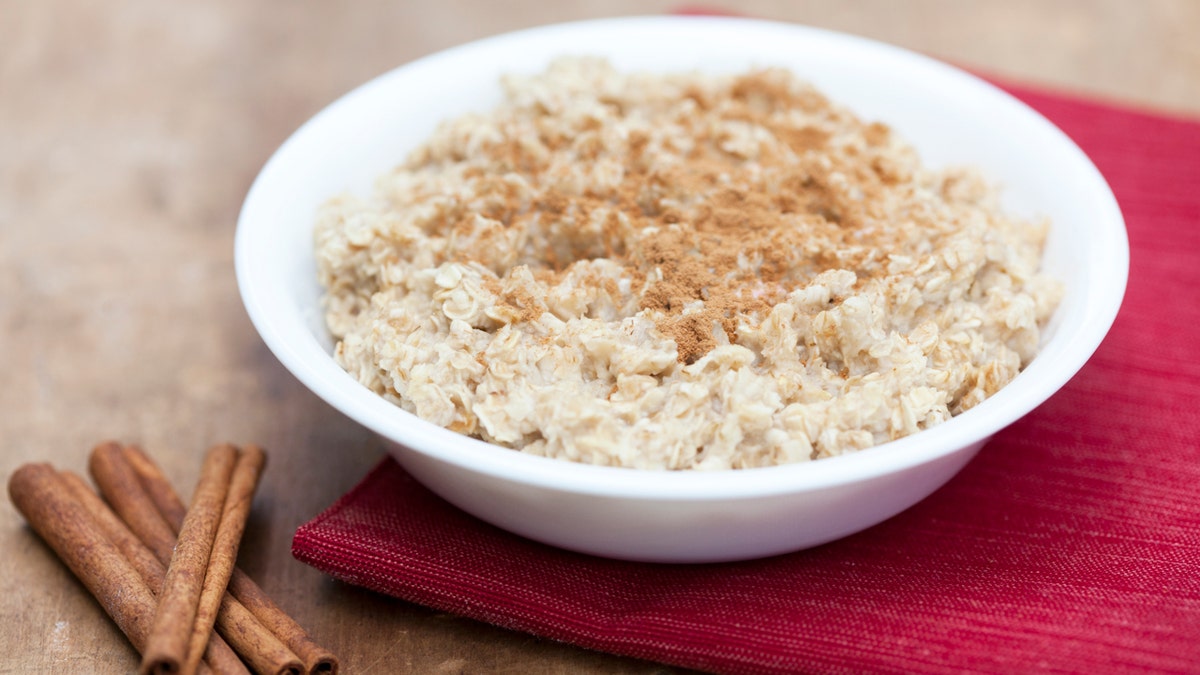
pixel 1071 543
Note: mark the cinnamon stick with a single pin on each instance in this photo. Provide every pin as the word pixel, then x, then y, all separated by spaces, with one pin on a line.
pixel 167 646
pixel 316 659
pixel 257 645
pixel 231 524
pixel 120 485
pixel 218 653
pixel 170 508
pixel 48 505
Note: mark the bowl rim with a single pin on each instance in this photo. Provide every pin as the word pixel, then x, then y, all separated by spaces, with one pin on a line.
pixel 1031 388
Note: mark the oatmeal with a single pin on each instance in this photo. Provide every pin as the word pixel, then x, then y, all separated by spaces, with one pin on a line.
pixel 678 272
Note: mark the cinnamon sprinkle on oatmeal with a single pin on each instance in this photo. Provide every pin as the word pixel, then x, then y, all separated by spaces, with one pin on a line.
pixel 717 272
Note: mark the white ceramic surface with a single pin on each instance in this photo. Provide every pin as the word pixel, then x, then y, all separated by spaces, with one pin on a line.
pixel 951 118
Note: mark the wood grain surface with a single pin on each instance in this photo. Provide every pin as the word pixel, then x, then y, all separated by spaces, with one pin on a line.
pixel 129 134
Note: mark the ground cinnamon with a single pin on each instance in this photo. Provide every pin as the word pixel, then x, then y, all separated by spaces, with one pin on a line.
pixel 722 235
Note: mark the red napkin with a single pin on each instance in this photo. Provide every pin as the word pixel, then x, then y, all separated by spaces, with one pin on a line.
pixel 1071 543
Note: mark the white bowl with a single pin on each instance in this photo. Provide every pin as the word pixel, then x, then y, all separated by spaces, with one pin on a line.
pixel 949 116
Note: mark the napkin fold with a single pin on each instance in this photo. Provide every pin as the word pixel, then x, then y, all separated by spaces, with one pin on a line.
pixel 1071 542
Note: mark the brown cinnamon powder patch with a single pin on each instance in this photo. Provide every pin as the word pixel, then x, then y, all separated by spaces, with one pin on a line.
pixel 527 307
pixel 714 239
pixel 515 305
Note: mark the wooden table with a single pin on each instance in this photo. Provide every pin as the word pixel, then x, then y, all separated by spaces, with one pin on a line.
pixel 129 134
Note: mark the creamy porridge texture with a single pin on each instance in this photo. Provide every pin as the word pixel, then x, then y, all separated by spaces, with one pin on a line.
pixel 679 272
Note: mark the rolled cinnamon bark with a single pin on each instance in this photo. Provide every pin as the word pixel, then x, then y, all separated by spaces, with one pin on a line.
pixel 255 642
pixel 61 521
pixel 169 646
pixel 258 646
pixel 48 504
pixel 218 654
pixel 234 510
pixel 316 659
pixel 170 507
pixel 122 489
